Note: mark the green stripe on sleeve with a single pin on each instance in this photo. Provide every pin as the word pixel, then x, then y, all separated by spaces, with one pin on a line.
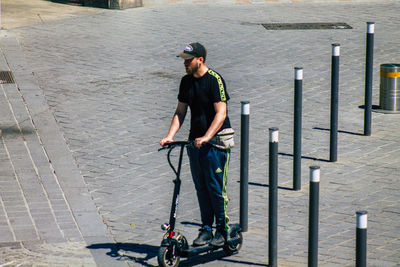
pixel 220 84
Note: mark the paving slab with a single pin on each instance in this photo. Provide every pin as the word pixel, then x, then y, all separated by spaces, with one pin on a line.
pixel 111 80
pixel 19 13
pixel 40 213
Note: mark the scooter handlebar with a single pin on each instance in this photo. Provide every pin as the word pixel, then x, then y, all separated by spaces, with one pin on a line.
pixel 175 144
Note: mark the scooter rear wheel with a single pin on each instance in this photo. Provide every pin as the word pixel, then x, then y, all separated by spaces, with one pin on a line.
pixel 234 248
pixel 167 258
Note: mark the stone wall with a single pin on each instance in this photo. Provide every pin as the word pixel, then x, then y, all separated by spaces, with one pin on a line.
pixel 161 2
pixel 113 4
pixel 122 4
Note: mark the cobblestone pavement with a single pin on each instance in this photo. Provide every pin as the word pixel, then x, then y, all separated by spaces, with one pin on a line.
pixel 42 254
pixel 111 82
pixel 47 217
pixel 19 13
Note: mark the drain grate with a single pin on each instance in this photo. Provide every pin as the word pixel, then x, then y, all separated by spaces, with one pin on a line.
pixel 307 26
pixel 6 77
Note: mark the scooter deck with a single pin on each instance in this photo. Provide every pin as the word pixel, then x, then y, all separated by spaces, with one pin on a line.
pixel 195 250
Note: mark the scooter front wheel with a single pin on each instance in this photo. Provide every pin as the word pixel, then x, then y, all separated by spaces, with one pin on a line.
pixel 167 257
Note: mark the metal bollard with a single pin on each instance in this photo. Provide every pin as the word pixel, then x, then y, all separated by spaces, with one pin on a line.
pixel 244 165
pixel 313 217
pixel 273 198
pixel 298 83
pixel 368 77
pixel 334 102
pixel 361 239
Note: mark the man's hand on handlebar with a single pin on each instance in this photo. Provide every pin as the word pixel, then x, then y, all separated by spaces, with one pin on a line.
pixel 198 142
pixel 166 140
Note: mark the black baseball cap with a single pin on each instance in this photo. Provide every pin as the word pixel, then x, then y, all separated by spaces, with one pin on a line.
pixel 193 50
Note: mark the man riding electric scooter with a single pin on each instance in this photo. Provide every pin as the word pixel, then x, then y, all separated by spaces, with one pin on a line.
pixel 204 91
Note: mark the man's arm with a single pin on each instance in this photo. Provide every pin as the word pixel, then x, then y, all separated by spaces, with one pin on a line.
pixel 176 123
pixel 220 115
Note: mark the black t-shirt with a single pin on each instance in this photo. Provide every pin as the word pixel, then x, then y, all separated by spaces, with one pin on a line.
pixel 201 94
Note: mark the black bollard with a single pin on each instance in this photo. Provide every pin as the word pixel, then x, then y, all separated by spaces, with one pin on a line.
pixel 334 102
pixel 369 61
pixel 313 217
pixel 244 165
pixel 273 198
pixel 298 84
pixel 361 239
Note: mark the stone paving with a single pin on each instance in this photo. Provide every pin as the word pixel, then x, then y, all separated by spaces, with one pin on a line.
pixel 47 215
pixel 111 79
pixel 19 13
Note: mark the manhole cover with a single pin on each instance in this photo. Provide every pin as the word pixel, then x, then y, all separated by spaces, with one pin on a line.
pixel 306 26
pixel 6 77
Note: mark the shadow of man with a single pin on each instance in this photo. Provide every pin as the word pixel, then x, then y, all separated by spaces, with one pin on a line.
pixel 120 251
pixel 117 251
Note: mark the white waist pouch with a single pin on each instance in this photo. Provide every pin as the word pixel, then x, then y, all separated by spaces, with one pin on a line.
pixel 224 139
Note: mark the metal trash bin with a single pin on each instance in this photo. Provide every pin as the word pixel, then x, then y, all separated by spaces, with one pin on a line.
pixel 389 95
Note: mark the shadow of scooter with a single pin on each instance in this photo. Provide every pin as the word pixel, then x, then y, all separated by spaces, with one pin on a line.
pixel 117 251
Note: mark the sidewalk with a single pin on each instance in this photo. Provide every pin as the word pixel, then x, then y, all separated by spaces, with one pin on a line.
pixel 19 13
pixel 94 94
pixel 47 216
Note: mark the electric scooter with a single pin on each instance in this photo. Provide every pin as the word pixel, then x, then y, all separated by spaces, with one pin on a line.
pixel 174 245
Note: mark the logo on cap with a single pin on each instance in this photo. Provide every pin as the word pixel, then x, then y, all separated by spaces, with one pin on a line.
pixel 188 48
